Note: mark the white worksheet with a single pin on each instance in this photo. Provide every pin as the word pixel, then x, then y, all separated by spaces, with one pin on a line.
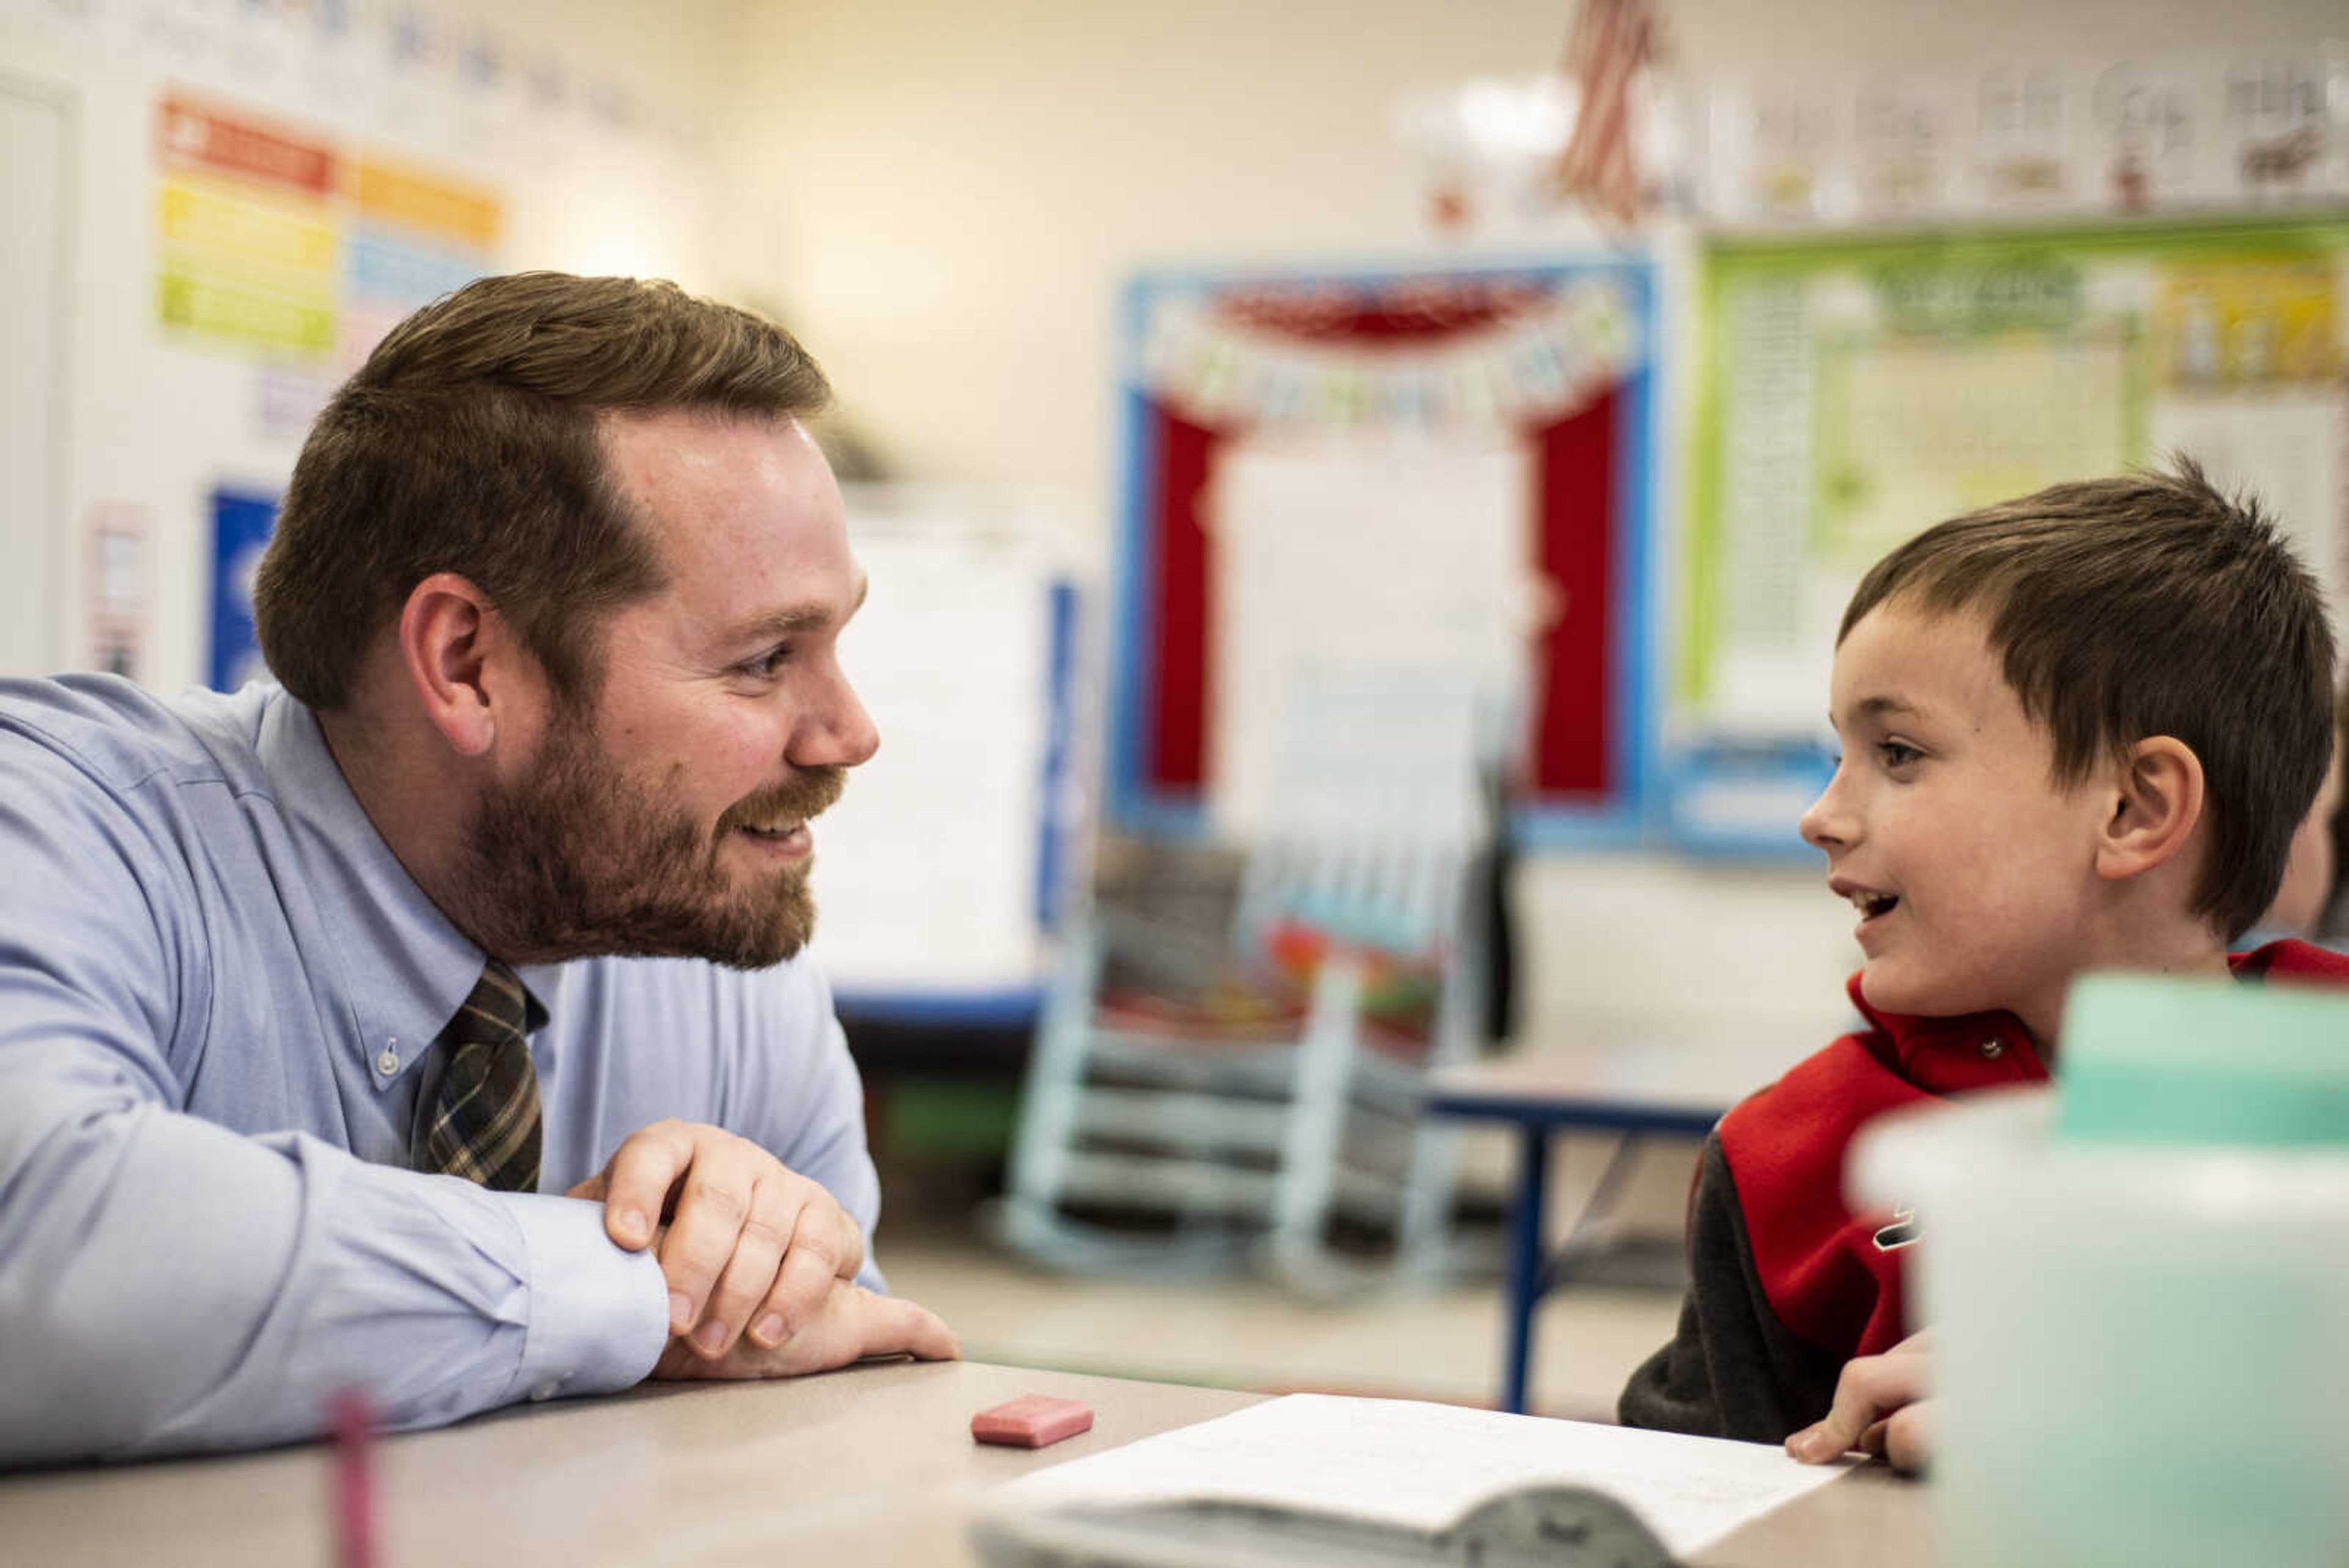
pixel 1422 1467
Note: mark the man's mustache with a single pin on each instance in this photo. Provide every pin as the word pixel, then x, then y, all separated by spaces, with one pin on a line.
pixel 809 794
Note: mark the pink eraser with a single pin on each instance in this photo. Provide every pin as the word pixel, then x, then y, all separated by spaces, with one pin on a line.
pixel 1031 1421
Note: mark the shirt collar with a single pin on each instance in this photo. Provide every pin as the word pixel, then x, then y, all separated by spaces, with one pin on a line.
pixel 406 970
pixel 1952 1055
pixel 1948 1054
pixel 2292 959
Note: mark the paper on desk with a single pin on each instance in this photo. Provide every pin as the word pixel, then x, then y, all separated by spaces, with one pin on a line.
pixel 1422 1467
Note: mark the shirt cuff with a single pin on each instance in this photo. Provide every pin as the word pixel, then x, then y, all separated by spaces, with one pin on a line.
pixel 598 1313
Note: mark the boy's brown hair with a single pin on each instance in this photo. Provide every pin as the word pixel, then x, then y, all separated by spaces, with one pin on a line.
pixel 469 442
pixel 2150 605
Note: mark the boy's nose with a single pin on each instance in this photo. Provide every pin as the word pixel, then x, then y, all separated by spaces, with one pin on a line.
pixel 1828 824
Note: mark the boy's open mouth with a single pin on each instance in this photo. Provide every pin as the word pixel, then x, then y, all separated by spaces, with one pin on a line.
pixel 1868 902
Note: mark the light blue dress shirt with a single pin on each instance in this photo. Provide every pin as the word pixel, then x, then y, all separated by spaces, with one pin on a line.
pixel 217 986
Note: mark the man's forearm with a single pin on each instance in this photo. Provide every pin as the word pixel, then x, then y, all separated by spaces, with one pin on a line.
pixel 166 1284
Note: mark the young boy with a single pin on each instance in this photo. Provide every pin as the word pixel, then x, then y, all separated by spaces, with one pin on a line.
pixel 2078 732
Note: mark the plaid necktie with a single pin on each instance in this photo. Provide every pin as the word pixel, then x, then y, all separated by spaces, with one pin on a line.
pixel 484 1121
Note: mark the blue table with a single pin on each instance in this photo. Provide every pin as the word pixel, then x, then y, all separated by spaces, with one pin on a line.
pixel 997 1007
pixel 1677 1089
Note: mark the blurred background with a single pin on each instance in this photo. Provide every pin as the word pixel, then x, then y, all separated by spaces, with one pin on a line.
pixel 1358 498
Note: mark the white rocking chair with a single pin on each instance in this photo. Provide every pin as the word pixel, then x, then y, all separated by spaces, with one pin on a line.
pixel 1244 1139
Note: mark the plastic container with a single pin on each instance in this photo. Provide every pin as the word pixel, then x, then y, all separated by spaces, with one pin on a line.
pixel 2141 1333
pixel 2152 1060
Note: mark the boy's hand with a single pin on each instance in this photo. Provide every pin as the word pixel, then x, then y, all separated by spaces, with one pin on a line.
pixel 1879 1409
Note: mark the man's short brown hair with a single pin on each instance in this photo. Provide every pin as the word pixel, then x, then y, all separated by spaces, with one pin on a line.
pixel 468 443
pixel 2150 605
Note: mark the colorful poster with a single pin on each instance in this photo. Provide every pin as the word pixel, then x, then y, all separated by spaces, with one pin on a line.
pixel 245 231
pixel 413 240
pixel 2248 322
pixel 272 239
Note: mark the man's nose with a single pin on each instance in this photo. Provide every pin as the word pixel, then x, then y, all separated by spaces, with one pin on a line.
pixel 860 737
pixel 841 735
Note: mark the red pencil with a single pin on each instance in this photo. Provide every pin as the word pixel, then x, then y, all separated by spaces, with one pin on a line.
pixel 354 1419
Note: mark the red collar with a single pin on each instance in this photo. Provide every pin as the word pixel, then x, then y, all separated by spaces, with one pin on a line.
pixel 1952 1055
pixel 2300 963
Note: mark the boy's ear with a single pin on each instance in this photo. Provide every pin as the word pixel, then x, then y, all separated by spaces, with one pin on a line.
pixel 2156 806
pixel 449 636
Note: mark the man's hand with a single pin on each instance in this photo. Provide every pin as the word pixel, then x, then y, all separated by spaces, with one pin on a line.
pixel 1879 1409
pixel 743 1241
pixel 851 1322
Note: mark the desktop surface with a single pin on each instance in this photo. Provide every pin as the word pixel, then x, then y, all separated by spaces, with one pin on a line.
pixel 874 1465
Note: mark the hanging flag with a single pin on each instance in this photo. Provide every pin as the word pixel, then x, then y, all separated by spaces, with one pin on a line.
pixel 1613 42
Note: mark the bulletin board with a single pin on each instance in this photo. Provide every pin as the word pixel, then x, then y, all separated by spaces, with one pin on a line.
pixel 1853 393
pixel 1445 469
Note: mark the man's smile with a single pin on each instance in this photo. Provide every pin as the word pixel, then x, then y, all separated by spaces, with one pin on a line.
pixel 788 840
pixel 773 823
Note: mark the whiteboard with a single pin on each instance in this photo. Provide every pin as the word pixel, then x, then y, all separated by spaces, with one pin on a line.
pixel 926 874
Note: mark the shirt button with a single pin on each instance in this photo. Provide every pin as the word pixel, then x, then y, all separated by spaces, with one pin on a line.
pixel 1992 1049
pixel 547 1390
pixel 389 1063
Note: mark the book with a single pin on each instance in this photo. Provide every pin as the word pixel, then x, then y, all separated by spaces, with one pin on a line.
pixel 1314 1478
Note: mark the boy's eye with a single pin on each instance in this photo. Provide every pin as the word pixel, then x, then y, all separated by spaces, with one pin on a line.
pixel 1896 753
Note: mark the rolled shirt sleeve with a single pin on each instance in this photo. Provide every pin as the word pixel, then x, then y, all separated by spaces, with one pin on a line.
pixel 172 1285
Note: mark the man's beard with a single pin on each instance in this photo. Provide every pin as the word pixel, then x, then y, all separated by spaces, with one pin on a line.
pixel 578 860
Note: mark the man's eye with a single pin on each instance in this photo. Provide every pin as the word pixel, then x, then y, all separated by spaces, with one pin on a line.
pixel 765 666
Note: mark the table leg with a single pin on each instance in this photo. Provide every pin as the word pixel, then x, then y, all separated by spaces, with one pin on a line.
pixel 1526 1260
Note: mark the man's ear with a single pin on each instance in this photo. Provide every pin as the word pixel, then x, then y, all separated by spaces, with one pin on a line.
pixel 449 635
pixel 2156 806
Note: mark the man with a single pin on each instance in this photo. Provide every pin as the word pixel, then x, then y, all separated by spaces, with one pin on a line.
pixel 312 999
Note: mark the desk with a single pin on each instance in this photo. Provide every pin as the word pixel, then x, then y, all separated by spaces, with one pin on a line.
pixel 1679 1088
pixel 873 1466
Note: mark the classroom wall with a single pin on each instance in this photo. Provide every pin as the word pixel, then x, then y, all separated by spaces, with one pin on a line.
pixel 146 424
pixel 945 199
